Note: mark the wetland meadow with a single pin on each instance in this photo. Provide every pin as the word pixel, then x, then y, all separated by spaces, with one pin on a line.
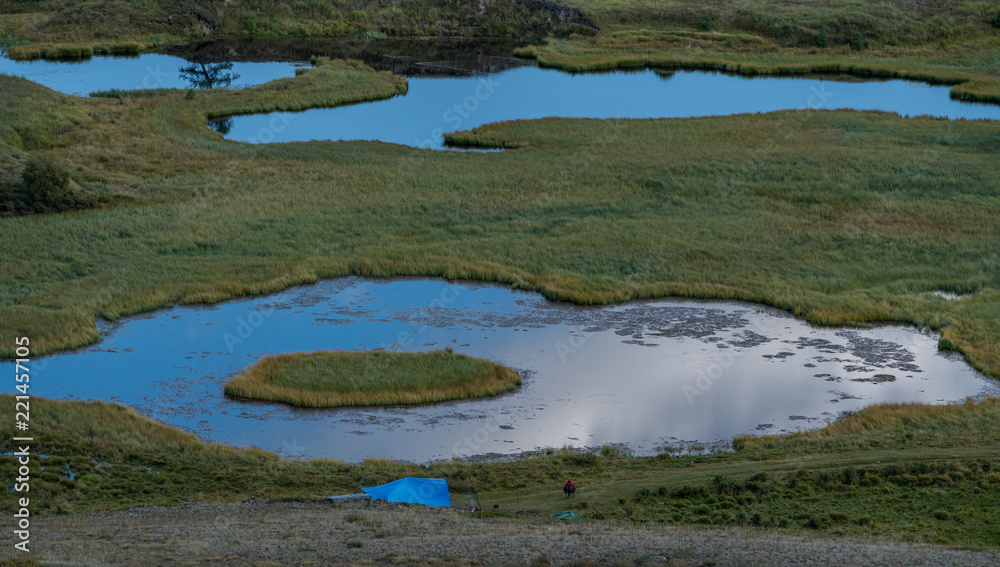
pixel 734 269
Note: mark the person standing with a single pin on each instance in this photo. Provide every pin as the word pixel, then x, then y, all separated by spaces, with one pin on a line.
pixel 569 488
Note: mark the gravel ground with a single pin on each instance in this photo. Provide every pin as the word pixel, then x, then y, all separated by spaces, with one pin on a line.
pixel 360 533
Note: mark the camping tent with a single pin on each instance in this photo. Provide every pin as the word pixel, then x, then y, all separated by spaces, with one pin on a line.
pixel 426 491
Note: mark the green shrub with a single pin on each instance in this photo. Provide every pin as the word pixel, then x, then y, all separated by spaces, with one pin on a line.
pixel 821 39
pixel 707 22
pixel 838 517
pixel 943 480
pixel 44 188
pixel 857 42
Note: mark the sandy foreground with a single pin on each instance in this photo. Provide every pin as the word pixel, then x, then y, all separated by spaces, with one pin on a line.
pixel 360 533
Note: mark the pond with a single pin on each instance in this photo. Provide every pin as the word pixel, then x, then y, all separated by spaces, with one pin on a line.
pixel 434 106
pixel 653 375
pixel 147 71
pixel 238 63
pixel 456 85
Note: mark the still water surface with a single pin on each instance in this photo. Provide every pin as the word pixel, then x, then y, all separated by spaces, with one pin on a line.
pixel 648 374
pixel 147 71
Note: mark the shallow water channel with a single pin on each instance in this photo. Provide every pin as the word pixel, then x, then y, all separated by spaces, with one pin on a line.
pixel 459 86
pixel 434 106
pixel 649 374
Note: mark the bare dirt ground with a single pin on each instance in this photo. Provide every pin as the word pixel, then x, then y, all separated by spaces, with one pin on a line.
pixel 360 533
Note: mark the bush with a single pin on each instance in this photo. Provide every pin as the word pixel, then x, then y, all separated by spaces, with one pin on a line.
pixel 707 22
pixel 996 21
pixel 821 39
pixel 44 188
pixel 857 42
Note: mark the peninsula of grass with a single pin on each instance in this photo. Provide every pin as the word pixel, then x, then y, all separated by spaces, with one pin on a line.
pixel 325 379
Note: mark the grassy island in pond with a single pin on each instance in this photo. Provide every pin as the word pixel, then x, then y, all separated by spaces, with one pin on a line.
pixel 371 378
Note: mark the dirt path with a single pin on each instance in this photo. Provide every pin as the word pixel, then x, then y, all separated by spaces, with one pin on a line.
pixel 260 533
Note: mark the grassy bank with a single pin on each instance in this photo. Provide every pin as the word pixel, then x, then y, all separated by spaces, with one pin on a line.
pixel 971 66
pixel 326 379
pixel 796 24
pixel 910 473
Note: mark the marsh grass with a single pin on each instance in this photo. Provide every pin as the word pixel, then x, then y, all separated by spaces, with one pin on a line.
pixel 877 474
pixel 835 22
pixel 968 70
pixel 841 217
pixel 370 378
pixel 64 29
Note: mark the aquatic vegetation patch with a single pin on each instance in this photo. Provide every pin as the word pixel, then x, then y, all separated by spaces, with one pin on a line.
pixel 369 378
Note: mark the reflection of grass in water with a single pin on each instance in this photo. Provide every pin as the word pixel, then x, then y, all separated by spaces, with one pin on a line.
pixel 885 471
pixel 340 378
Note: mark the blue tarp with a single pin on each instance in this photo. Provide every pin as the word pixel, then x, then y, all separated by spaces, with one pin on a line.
pixel 426 491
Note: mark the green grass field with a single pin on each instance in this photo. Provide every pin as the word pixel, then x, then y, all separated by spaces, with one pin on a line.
pixel 909 473
pixel 326 379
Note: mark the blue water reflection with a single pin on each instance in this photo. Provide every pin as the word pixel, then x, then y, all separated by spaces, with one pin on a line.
pixel 435 106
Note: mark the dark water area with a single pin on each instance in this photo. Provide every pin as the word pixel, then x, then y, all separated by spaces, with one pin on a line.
pixel 238 63
pixel 653 375
pixel 412 58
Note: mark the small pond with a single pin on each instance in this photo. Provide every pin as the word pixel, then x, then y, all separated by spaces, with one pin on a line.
pixel 653 375
pixel 147 71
